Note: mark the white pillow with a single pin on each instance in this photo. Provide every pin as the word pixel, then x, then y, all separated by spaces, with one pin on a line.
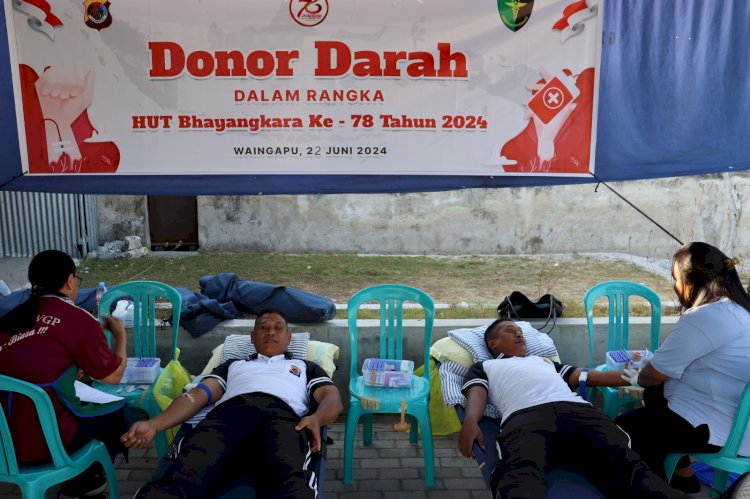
pixel 472 339
pixel 239 346
pixel 447 349
pixel 213 362
pixel 323 354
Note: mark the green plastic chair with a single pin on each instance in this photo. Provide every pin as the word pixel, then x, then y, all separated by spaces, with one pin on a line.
pixel 618 293
pixel 391 298
pixel 143 343
pixel 34 481
pixel 726 460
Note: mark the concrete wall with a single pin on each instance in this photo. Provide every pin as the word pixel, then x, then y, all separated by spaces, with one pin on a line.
pixel 121 216
pixel 557 219
pixel 570 337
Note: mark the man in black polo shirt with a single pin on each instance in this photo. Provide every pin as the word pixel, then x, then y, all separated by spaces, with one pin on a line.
pixel 263 404
pixel 545 423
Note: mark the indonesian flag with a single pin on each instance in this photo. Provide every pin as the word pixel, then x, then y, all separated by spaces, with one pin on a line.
pixel 571 22
pixel 40 15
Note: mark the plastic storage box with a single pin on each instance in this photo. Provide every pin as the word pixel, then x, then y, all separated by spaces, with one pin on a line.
pixel 390 373
pixel 141 370
pixel 627 359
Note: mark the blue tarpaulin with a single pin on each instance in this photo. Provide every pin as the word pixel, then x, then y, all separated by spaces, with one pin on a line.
pixel 672 101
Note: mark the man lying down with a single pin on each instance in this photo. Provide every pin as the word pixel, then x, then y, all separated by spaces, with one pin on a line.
pixel 545 423
pixel 266 423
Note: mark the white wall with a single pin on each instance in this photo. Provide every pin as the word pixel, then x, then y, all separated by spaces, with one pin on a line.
pixel 557 219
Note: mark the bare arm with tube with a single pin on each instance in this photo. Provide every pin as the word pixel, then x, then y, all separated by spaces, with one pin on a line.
pixel 142 433
pixel 598 378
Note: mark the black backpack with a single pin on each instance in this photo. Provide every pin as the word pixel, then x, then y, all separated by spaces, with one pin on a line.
pixel 518 306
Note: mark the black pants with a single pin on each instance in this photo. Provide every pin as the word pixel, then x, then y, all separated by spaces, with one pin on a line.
pixel 249 434
pixel 656 431
pixel 534 440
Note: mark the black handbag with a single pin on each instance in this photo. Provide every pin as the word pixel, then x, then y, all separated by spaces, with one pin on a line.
pixel 518 306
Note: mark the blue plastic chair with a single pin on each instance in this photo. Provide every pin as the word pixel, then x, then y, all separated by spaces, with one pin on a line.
pixel 143 343
pixel 618 293
pixel 34 481
pixel 378 400
pixel 726 460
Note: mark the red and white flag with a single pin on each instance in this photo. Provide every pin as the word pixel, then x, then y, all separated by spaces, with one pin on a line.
pixel 571 22
pixel 40 15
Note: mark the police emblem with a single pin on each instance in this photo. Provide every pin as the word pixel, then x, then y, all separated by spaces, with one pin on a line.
pixel 97 14
pixel 515 13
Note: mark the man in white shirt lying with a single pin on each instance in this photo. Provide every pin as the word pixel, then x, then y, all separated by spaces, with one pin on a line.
pixel 266 422
pixel 545 423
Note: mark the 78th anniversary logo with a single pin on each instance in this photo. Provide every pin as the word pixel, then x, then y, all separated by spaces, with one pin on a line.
pixel 308 13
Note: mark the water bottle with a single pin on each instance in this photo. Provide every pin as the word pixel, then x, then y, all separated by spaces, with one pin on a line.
pixel 99 293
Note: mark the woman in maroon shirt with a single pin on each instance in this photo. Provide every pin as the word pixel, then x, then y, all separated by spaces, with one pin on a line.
pixel 48 340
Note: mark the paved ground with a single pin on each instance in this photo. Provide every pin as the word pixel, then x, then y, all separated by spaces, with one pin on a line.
pixel 390 469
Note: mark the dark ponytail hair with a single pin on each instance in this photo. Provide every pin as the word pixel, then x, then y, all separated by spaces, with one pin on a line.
pixel 711 275
pixel 48 272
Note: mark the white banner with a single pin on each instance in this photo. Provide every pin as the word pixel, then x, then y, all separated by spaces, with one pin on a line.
pixel 486 87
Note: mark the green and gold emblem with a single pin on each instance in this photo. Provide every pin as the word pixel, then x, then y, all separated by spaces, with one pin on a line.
pixel 515 13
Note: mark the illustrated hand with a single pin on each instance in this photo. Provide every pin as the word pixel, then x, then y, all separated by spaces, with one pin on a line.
pixel 470 433
pixel 546 133
pixel 64 93
pixel 631 376
pixel 312 426
pixel 139 436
